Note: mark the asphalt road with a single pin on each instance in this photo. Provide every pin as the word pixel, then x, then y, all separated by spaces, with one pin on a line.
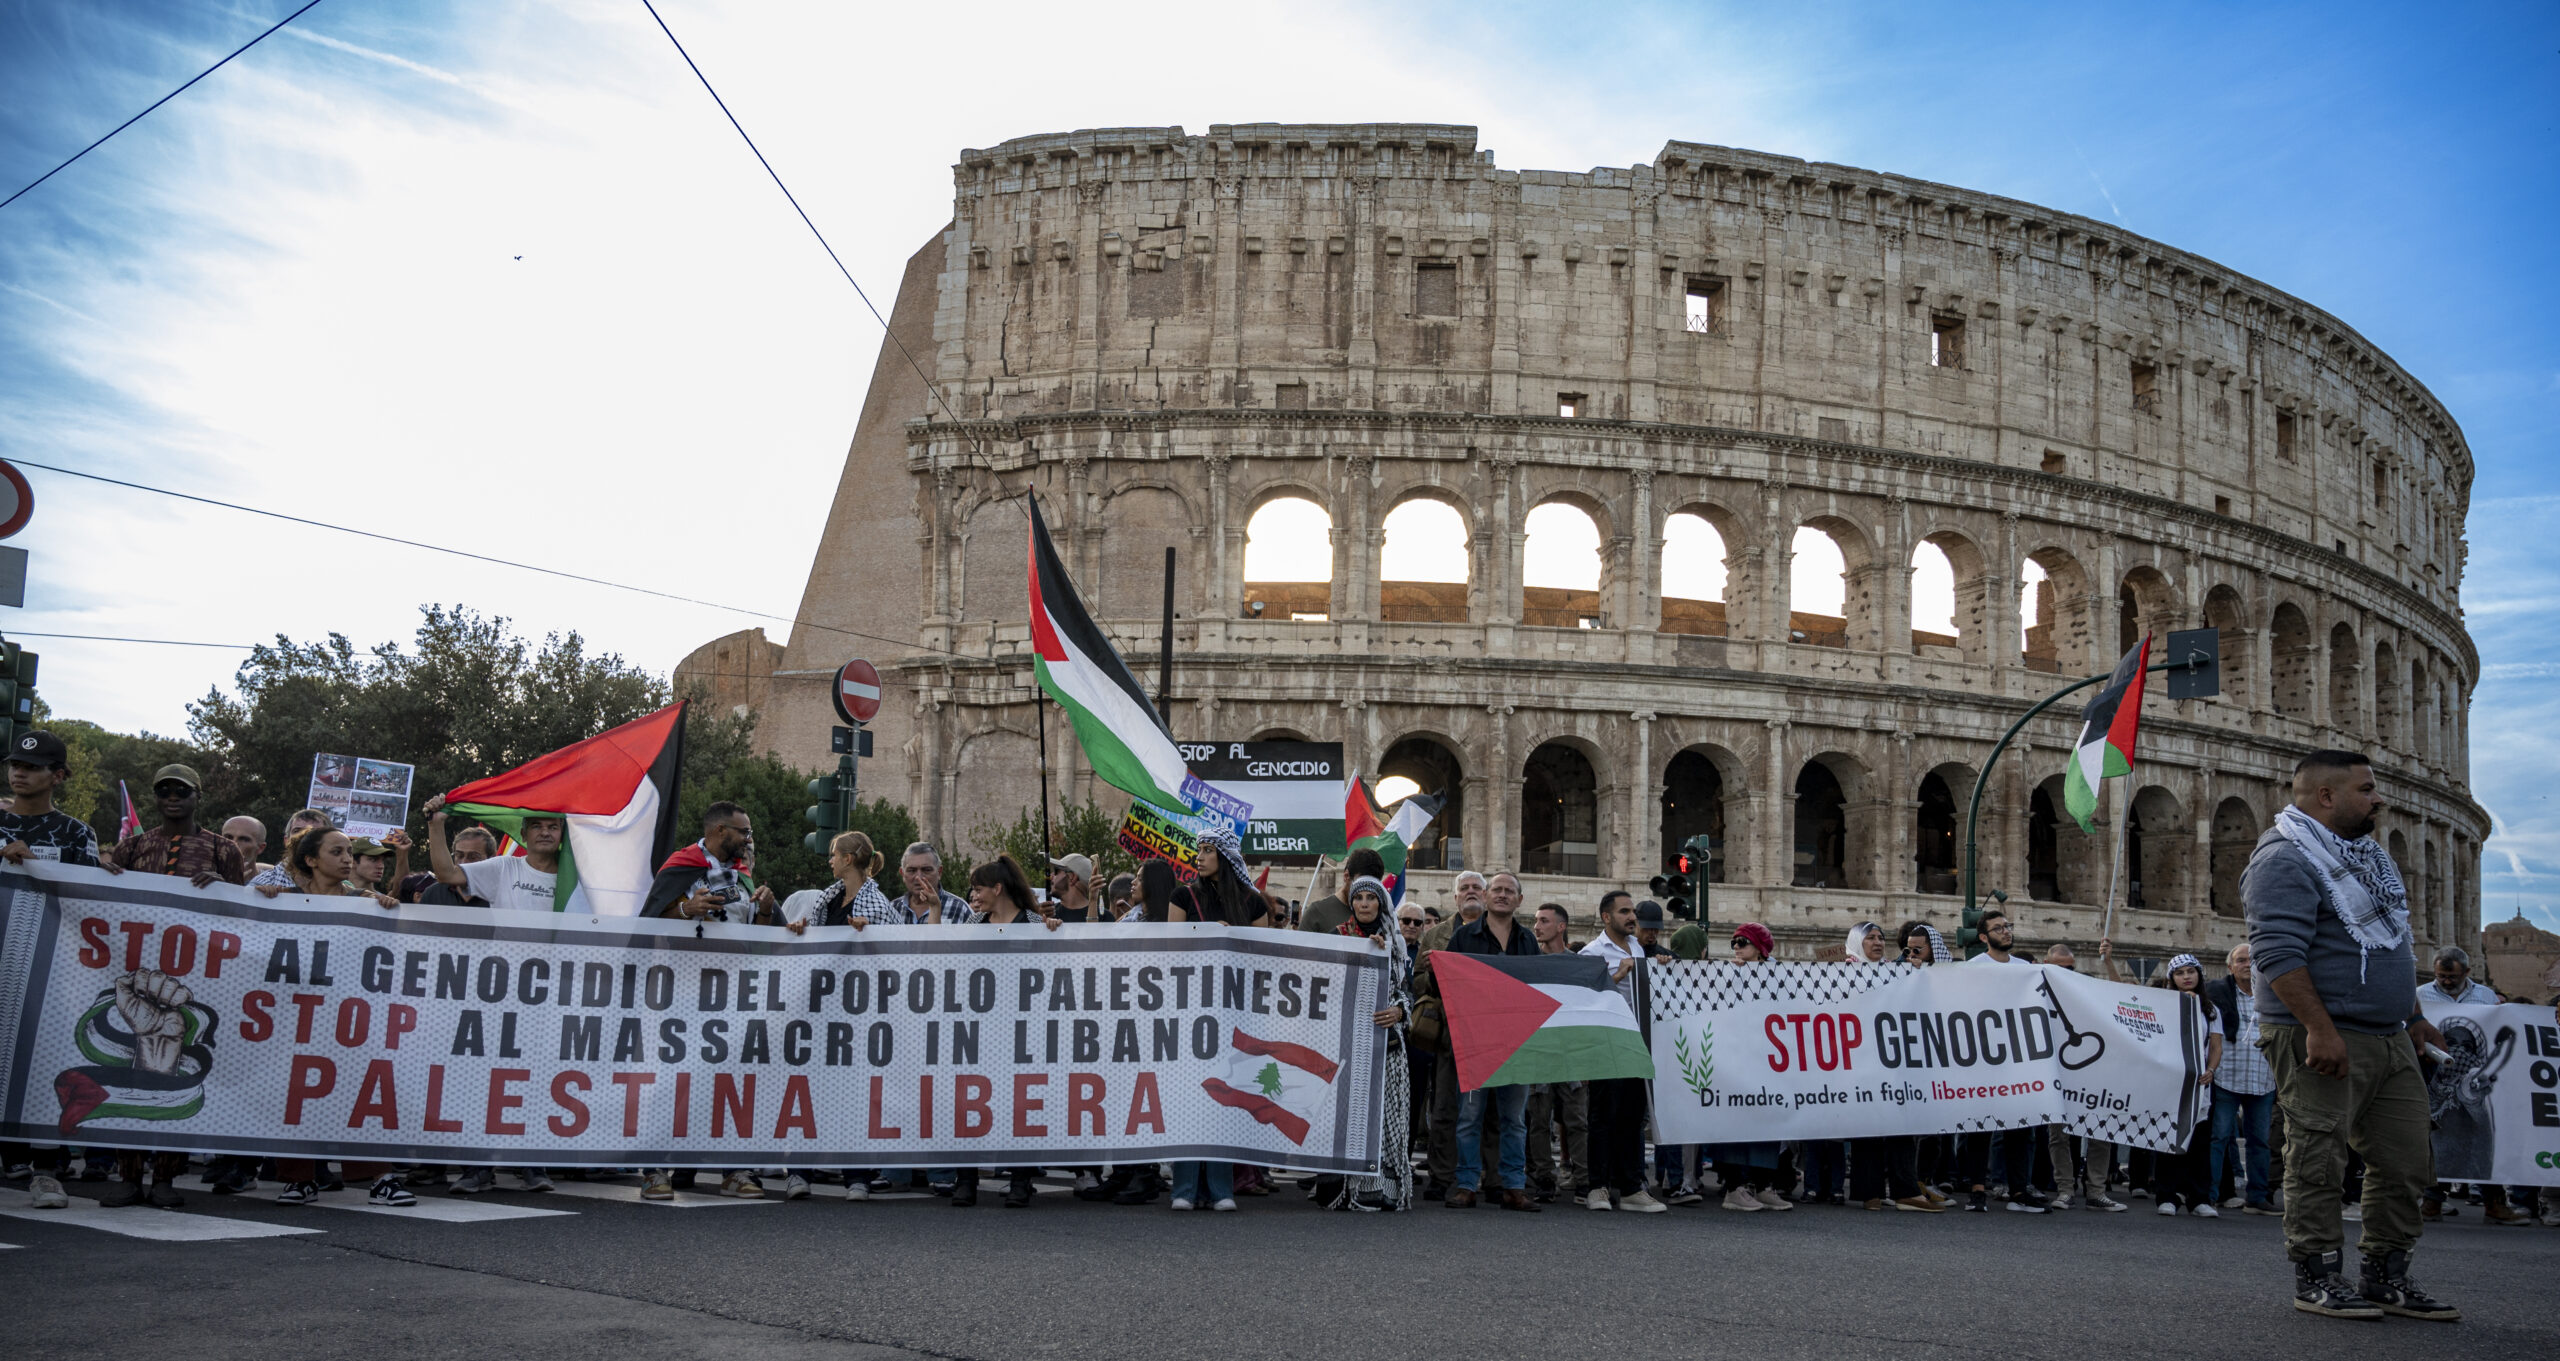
pixel 605 1276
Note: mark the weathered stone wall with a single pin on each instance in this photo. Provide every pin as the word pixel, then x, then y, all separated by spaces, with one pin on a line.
pixel 1160 333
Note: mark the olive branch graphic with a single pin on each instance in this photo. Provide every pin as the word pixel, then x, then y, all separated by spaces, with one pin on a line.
pixel 1698 1070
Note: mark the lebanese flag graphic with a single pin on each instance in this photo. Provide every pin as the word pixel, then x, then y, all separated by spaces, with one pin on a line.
pixel 1516 1019
pixel 1286 1086
pixel 617 793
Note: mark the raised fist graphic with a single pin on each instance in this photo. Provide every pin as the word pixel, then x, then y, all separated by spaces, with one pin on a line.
pixel 154 1007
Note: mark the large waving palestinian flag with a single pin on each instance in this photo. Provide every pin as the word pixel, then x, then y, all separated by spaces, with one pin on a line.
pixel 2107 729
pixel 616 791
pixel 1124 741
pixel 1516 1019
pixel 1391 839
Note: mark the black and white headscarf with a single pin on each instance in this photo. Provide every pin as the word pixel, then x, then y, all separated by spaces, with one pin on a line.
pixel 2363 886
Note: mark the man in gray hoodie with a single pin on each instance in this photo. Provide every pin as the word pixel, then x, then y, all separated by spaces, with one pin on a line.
pixel 2336 998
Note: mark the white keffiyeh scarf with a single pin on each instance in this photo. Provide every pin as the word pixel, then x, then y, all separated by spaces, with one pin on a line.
pixel 2363 885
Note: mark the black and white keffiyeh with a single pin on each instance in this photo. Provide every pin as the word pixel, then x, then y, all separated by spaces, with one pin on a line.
pixel 2363 886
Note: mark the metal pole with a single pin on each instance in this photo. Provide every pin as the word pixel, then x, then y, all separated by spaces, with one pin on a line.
pixel 1164 673
pixel 1040 712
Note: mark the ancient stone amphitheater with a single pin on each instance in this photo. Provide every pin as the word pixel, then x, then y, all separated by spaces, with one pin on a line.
pixel 2091 434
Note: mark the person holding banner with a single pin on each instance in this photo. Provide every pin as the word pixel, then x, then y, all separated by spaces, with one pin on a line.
pixel 1392 1188
pixel 1002 897
pixel 2017 1146
pixel 1498 932
pixel 1749 1172
pixel 2186 1177
pixel 320 861
pixel 2337 999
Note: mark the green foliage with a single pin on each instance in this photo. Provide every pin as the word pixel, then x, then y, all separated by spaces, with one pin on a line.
pixel 1081 827
pixel 99 759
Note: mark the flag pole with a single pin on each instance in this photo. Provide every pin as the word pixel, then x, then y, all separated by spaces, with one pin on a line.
pixel 1040 718
pixel 2115 863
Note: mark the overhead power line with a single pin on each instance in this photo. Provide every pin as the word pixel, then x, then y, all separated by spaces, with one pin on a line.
pixel 158 102
pixel 106 638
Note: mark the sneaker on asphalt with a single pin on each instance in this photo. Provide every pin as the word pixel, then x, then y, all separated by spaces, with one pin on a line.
pixel 1181 1203
pixel 2060 1201
pixel 532 1180
pixel 387 1190
pixel 1686 1195
pixel 45 1193
pixel 1977 1202
pixel 1916 1204
pixel 2104 1203
pixel 881 1186
pixel 2319 1289
pixel 2234 1202
pixel 296 1193
pixel 1740 1198
pixel 2506 1214
pixel 474 1182
pixel 1770 1199
pixel 658 1187
pixel 2386 1283
pixel 2025 1207
pixel 1642 1202
pixel 164 1195
pixel 1599 1199
pixel 2259 1207
pixel 2168 1207
pixel 795 1187
pixel 857 1190
pixel 2206 1211
pixel 426 1176
pixel 1226 1206
pixel 741 1186
pixel 2352 1212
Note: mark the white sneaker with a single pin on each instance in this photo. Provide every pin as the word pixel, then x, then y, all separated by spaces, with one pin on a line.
pixel 387 1191
pixel 1740 1199
pixel 796 1187
pixel 2168 1207
pixel 1226 1206
pixel 1181 1204
pixel 1639 1203
pixel 2352 1212
pixel 2235 1202
pixel 741 1185
pixel 1599 1199
pixel 45 1193
pixel 857 1190
pixel 1770 1200
pixel 2206 1211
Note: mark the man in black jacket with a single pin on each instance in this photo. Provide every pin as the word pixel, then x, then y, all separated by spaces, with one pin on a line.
pixel 1498 932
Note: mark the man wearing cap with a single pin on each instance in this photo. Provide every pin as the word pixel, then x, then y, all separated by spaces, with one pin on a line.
pixel 1071 886
pixel 31 828
pixel 1649 930
pixel 178 846
pixel 201 857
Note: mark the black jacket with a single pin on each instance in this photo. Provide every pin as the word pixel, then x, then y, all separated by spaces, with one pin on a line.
pixel 2225 997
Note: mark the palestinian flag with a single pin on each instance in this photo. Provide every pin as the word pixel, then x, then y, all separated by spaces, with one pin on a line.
pixel 1286 1086
pixel 1516 1019
pixel 1124 741
pixel 1391 839
pixel 616 791
pixel 2107 730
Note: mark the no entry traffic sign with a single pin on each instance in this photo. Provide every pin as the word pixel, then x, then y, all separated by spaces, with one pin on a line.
pixel 17 500
pixel 858 691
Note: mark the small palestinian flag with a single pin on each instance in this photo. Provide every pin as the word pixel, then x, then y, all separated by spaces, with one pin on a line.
pixel 1124 741
pixel 1392 839
pixel 617 793
pixel 1519 1019
pixel 1286 1086
pixel 2107 729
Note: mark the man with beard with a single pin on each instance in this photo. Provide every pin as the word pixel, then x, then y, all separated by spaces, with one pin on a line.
pixel 2337 1007
pixel 1468 888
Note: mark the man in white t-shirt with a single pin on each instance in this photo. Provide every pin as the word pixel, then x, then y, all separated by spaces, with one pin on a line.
pixel 1617 1111
pixel 2017 1146
pixel 509 883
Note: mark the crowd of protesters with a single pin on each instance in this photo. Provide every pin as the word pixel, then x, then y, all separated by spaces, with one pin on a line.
pixel 2331 1038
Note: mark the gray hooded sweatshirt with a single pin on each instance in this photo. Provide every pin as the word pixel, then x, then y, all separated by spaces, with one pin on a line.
pixel 2292 926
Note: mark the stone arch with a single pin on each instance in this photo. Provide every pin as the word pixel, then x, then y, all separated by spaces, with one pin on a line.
pixel 2386 695
pixel 1560 809
pixel 2235 836
pixel 1698 783
pixel 1559 586
pixel 1283 577
pixel 995 775
pixel 1856 603
pixel 2346 676
pixel 2053 613
pixel 1279 735
pixel 1698 570
pixel 1144 519
pixel 2145 603
pixel 1968 587
pixel 2291 652
pixel 2158 845
pixel 2228 615
pixel 2064 864
pixel 1432 762
pixel 1827 849
pixel 1415 573
pixel 1937 829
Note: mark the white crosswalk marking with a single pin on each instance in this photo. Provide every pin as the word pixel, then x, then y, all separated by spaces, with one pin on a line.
pixel 442 1209
pixel 141 1221
pixel 630 1195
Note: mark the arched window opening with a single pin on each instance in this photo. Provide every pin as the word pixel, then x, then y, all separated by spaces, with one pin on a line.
pixel 1817 590
pixel 1560 568
pixel 1934 842
pixel 1933 598
pixel 1423 564
pixel 2035 617
pixel 2157 844
pixel 1821 829
pixel 2055 628
pixel 1693 577
pixel 1559 813
pixel 2044 848
pixel 2224 614
pixel 2144 604
pixel 1288 561
pixel 1692 806
pixel 1419 765
pixel 2235 836
pixel 2346 675
pixel 2289 643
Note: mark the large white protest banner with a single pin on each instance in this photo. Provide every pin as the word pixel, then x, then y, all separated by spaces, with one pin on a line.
pixel 2495 1102
pixel 136 1012
pixel 1745 1053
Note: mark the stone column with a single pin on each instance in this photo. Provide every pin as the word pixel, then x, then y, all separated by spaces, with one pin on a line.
pixel 1777 829
pixel 1502 804
pixel 2000 614
pixel 1640 589
pixel 1223 583
pixel 1355 573
pixel 2320 625
pixel 1642 848
pixel 1901 804
pixel 1502 534
pixel 2200 861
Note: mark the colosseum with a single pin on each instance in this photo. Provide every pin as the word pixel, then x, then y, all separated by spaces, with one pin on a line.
pixel 1781 413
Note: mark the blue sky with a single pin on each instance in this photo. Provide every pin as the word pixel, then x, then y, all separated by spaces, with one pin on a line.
pixel 296 285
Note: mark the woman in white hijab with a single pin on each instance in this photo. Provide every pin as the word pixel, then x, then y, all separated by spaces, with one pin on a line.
pixel 1866 943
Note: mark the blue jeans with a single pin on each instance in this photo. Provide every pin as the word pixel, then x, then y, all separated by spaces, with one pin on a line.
pixel 1511 1110
pixel 2245 1116
pixel 1204 1183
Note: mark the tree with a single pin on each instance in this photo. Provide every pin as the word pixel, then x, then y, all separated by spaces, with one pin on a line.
pixel 102 761
pixel 1081 827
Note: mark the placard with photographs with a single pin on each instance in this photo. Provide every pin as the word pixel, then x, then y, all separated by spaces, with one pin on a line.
pixel 363 796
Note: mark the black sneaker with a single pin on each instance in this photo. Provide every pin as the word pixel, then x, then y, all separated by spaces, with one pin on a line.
pixel 163 1195
pixel 119 1194
pixel 2319 1289
pixel 1977 1202
pixel 2387 1285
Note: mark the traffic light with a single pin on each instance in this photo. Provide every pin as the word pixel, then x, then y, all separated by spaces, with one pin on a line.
pixel 1697 860
pixel 827 815
pixel 1675 901
pixel 17 691
pixel 1969 936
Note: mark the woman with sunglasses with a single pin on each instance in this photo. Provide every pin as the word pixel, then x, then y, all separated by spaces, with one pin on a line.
pixel 1749 1171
